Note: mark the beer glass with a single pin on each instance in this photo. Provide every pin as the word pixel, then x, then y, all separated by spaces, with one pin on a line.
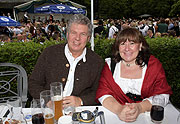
pixel 47 106
pixel 157 110
pixel 57 97
pixel 36 112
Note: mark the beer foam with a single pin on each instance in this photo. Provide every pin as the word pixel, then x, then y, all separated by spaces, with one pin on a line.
pixel 57 98
pixel 49 115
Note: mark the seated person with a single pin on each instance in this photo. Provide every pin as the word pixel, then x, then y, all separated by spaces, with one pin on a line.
pixel 131 78
pixel 72 63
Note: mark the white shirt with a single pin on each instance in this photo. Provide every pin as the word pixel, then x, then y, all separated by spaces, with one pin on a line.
pixel 129 85
pixel 73 62
pixel 112 31
pixel 144 30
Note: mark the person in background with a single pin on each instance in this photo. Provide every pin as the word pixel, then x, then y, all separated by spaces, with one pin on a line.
pixel 131 77
pixel 51 18
pixel 112 31
pixel 150 33
pixel 9 15
pixel 162 26
pixel 77 67
pixel 26 17
pixel 4 38
pixel 100 30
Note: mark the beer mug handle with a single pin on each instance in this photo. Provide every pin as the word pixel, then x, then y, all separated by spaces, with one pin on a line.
pixel 101 115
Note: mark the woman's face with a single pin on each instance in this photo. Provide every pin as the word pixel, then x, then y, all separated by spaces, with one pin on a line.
pixel 129 50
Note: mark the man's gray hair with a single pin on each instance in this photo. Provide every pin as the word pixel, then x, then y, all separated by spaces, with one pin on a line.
pixel 80 19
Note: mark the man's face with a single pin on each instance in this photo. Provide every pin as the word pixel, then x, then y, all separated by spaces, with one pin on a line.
pixel 77 38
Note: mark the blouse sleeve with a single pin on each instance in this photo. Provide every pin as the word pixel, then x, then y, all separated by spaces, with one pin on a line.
pixel 166 97
pixel 101 99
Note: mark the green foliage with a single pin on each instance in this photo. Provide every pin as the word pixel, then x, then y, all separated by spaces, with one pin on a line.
pixel 166 49
pixel 132 8
pixel 24 54
pixel 175 9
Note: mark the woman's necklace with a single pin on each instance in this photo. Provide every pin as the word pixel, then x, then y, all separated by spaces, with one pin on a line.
pixel 128 64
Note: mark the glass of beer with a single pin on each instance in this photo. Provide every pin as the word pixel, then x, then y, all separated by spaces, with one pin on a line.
pixel 57 97
pixel 36 112
pixel 157 110
pixel 47 106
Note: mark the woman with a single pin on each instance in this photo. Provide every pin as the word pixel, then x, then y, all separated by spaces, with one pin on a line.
pixel 131 78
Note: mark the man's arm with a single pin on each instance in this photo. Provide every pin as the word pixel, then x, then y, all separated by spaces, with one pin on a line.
pixel 88 96
pixel 37 79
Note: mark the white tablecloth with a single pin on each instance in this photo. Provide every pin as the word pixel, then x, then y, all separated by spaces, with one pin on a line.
pixel 170 115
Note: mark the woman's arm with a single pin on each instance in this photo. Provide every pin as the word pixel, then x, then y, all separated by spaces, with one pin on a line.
pixel 117 108
pixel 145 106
pixel 136 109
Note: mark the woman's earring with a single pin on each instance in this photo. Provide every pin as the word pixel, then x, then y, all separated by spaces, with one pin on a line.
pixel 140 49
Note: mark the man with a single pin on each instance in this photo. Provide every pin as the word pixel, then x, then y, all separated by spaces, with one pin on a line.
pixel 26 17
pixel 100 30
pixel 112 31
pixel 162 26
pixel 76 66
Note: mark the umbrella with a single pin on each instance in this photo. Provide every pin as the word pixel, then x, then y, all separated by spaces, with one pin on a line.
pixel 59 9
pixel 6 21
pixel 144 15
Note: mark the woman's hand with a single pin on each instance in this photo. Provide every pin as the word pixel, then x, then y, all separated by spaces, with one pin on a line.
pixel 122 113
pixel 133 113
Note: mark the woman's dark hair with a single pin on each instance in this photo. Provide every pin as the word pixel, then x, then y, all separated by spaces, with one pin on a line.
pixel 135 35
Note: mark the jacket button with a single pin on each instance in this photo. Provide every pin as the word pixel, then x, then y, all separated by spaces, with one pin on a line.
pixel 77 79
pixel 79 64
pixel 67 65
pixel 63 79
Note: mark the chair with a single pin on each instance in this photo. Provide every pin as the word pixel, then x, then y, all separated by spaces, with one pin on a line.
pixel 13 82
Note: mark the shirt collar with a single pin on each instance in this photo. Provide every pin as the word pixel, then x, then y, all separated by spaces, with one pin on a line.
pixel 68 54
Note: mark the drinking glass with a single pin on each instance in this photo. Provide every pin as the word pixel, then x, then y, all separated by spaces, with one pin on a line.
pixel 69 110
pixel 47 106
pixel 57 97
pixel 157 110
pixel 36 112
pixel 15 107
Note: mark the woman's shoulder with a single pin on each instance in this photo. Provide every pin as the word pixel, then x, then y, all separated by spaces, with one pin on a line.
pixel 108 61
pixel 153 59
pixel 154 62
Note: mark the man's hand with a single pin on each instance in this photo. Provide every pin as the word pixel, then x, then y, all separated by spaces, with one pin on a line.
pixel 71 101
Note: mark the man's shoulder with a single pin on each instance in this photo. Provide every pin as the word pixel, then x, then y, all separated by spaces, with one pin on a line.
pixel 93 56
pixel 55 47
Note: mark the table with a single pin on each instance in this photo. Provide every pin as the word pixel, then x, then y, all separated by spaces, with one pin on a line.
pixel 170 117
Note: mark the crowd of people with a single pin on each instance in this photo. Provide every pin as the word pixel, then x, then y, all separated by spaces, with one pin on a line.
pixel 56 29
pixel 34 28
pixel 151 27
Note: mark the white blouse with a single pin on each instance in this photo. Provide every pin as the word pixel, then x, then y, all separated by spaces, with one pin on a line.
pixel 129 85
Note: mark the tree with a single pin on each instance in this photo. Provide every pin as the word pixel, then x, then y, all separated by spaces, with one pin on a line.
pixel 175 9
pixel 131 8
